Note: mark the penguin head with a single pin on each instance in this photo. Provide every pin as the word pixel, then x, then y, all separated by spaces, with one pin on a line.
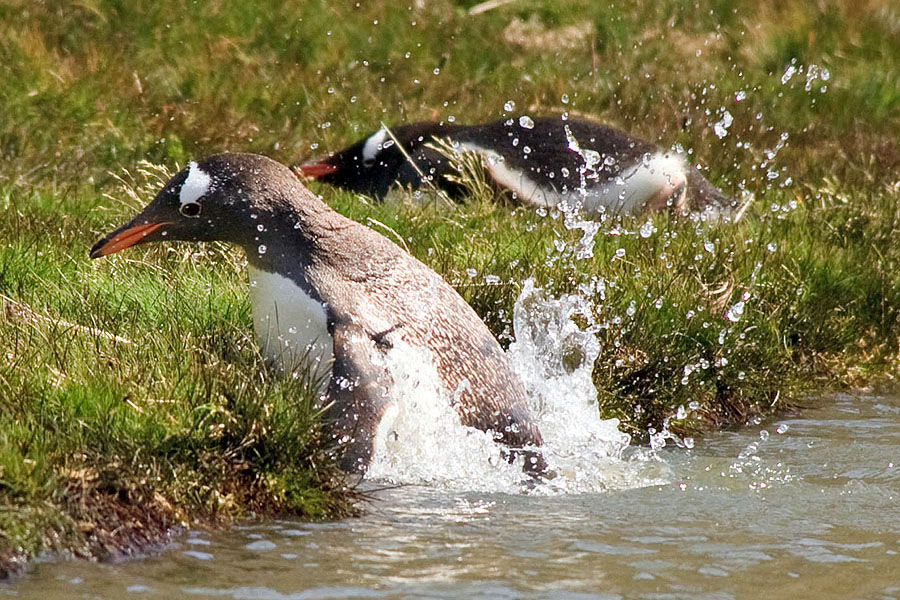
pixel 223 197
pixel 374 163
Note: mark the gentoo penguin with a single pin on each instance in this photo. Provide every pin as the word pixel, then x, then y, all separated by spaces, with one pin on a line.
pixel 338 295
pixel 541 161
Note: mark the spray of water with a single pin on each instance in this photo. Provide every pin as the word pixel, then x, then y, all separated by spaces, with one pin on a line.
pixel 421 440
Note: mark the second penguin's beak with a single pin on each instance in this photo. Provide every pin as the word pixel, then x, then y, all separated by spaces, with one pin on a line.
pixel 315 169
pixel 125 236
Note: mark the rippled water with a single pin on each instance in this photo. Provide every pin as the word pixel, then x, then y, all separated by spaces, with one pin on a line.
pixel 805 507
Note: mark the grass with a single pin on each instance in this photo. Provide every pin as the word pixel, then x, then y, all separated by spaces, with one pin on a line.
pixel 133 400
pixel 131 396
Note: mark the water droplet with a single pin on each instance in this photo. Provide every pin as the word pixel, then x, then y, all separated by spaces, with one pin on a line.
pixel 471 272
pixel 262 249
pixel 740 95
pixel 788 73
pixel 526 122
pixel 565 98
pixel 782 428
pixel 735 313
pixel 436 71
pixel 509 106
pixel 647 229
pixel 772 247
pixel 721 127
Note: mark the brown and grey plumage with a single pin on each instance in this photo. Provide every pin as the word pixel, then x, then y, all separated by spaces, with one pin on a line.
pixel 336 293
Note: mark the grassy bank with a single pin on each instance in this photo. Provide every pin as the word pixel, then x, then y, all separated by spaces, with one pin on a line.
pixel 133 399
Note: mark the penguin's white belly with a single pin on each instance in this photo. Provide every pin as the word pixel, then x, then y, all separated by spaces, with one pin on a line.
pixel 658 177
pixel 651 180
pixel 291 326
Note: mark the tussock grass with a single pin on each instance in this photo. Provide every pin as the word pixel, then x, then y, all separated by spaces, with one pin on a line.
pixel 131 397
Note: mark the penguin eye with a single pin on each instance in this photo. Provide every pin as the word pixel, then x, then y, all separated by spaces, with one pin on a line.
pixel 190 209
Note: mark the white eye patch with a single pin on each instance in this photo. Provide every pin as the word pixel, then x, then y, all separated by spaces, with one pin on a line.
pixel 195 186
pixel 373 145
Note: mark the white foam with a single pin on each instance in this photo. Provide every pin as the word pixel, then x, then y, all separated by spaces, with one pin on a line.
pixel 421 440
pixel 195 186
pixel 374 145
pixel 291 327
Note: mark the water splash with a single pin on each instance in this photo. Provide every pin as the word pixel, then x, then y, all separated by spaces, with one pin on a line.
pixel 421 440
pixel 789 72
pixel 721 127
pixel 592 160
pixel 554 357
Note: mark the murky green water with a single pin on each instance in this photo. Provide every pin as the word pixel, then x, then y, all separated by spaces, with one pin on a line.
pixel 804 507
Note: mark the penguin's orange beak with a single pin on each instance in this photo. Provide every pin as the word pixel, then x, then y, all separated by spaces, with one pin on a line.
pixel 316 168
pixel 124 237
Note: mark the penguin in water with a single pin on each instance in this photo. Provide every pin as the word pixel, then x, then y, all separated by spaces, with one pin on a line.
pixel 545 161
pixel 338 296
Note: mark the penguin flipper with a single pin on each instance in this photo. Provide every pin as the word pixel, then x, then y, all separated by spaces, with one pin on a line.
pixel 358 395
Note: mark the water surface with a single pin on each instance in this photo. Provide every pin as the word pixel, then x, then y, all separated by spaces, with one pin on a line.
pixel 805 507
